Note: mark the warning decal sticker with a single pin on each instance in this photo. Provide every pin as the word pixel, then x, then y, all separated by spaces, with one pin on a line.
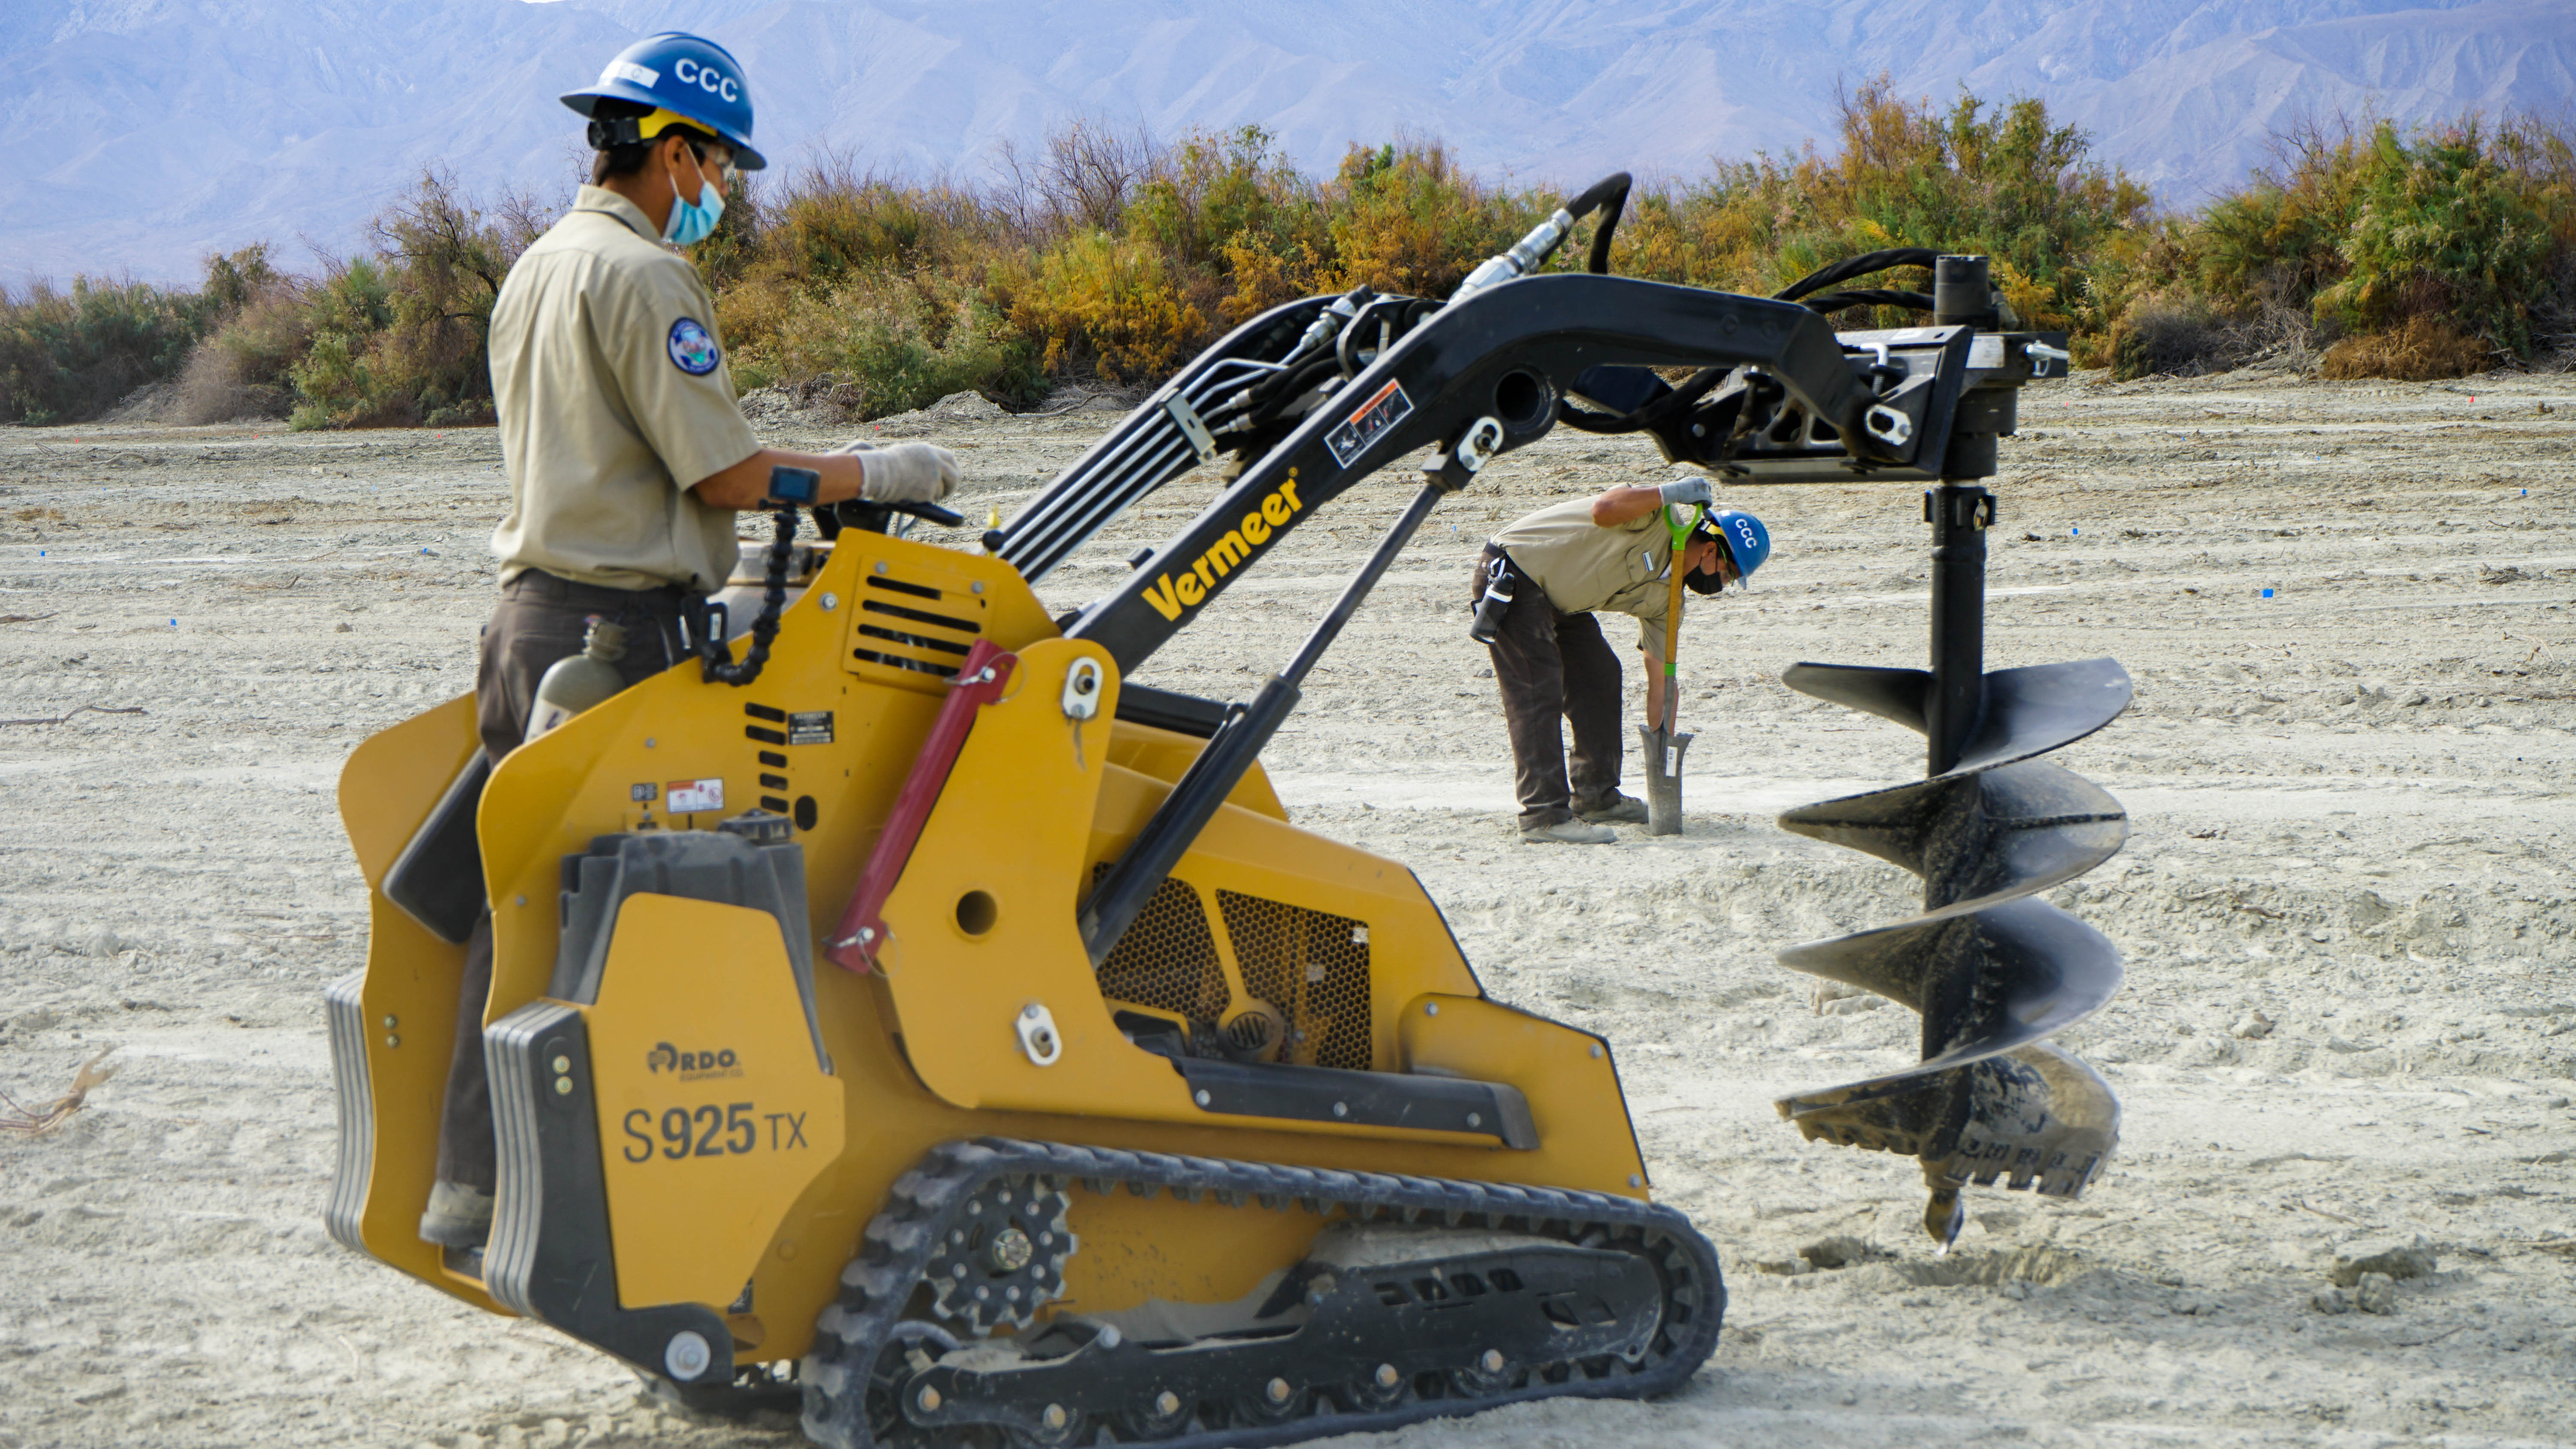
pixel 1384 410
pixel 689 797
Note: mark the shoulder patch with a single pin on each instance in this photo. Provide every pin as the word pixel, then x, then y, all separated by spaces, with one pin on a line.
pixel 692 350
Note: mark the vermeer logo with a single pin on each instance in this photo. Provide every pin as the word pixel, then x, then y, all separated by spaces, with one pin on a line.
pixel 1170 596
pixel 690 1066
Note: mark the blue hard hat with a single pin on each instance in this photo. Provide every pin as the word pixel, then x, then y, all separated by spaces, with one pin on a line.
pixel 694 79
pixel 1743 535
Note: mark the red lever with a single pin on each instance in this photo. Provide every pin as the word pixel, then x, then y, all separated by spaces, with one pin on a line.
pixel 853 944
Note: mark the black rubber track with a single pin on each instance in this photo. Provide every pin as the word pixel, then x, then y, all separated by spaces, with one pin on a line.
pixel 877 1287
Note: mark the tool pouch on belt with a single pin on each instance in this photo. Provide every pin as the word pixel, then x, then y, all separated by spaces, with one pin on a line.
pixel 1502 579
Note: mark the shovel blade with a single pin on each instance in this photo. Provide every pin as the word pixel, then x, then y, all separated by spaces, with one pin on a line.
pixel 1663 779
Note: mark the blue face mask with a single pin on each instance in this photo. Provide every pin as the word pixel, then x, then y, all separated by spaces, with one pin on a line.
pixel 690 221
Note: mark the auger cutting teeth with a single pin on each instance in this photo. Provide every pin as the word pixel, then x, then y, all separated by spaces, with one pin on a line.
pixel 1992 971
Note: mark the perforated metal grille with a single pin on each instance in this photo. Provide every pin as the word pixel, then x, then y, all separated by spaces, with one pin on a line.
pixel 1167 959
pixel 1314 967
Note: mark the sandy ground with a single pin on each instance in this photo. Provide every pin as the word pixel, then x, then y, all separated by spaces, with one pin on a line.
pixel 2350 1018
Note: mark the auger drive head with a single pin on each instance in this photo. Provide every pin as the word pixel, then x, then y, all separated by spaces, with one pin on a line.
pixel 901 1017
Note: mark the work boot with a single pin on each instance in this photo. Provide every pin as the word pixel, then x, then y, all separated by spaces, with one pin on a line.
pixel 458 1216
pixel 1568 832
pixel 1612 809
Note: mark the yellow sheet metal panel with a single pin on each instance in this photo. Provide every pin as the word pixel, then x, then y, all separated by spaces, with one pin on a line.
pixel 981 927
pixel 984 935
pixel 836 734
pixel 396 775
pixel 1571 1083
pixel 1164 754
pixel 1134 1250
pixel 391 782
pixel 714 1116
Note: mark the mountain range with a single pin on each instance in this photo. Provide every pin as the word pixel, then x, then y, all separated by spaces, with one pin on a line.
pixel 145 134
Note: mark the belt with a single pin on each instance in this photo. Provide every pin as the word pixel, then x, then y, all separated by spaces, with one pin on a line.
pixel 554 588
pixel 675 609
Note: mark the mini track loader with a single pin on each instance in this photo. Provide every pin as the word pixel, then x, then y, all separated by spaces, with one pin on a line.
pixel 912 1022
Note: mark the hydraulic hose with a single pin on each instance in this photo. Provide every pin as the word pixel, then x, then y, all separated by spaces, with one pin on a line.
pixel 1844 270
pixel 1609 196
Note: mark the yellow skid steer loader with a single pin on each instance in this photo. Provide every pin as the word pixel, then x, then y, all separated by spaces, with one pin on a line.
pixel 905 1020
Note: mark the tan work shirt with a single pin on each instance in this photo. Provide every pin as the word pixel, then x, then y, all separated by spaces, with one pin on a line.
pixel 614 400
pixel 1584 567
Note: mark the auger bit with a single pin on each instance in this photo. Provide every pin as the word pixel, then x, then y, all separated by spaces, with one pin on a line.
pixel 1993 971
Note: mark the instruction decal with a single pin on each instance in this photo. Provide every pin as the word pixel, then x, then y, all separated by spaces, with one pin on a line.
pixel 1387 407
pixel 689 797
pixel 809 727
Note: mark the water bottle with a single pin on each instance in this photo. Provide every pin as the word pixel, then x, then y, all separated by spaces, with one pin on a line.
pixel 577 681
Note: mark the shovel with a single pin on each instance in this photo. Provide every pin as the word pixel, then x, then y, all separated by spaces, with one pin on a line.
pixel 1664 748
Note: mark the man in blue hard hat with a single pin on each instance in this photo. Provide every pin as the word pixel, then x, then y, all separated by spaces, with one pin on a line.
pixel 628 457
pixel 1537 587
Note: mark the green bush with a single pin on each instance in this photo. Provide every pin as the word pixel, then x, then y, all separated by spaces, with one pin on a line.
pixel 66 356
pixel 2442 229
pixel 902 342
pixel 2437 249
pixel 1106 254
pixel 1115 304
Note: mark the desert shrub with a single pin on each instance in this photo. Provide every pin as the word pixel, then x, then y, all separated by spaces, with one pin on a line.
pixel 69 355
pixel 1111 303
pixel 2442 229
pixel 901 341
pixel 1406 218
pixel 2005 182
pixel 244 367
pixel 2179 334
pixel 809 244
pixel 334 385
pixel 2423 348
pixel 1105 252
pixel 397 337
pixel 1236 216
pixel 2433 244
pixel 1080 178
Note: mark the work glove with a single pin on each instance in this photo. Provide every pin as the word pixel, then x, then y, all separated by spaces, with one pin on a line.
pixel 906 473
pixel 1687 491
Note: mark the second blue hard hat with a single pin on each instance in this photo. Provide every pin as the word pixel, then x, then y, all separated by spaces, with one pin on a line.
pixel 692 78
pixel 1744 536
pixel 1745 539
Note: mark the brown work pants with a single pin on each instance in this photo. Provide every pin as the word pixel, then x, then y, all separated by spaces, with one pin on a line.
pixel 541 619
pixel 1549 665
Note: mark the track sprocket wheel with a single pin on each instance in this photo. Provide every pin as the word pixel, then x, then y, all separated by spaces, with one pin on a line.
pixel 1004 1255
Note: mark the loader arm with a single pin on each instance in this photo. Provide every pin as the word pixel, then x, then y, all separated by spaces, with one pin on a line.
pixel 1509 353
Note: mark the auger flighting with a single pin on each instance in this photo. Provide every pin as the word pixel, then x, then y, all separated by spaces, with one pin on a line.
pixel 1992 970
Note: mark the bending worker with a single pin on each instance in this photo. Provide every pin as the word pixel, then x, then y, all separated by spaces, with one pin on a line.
pixel 1539 583
pixel 627 455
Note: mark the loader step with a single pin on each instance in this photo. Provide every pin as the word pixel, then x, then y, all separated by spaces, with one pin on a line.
pixel 1422 1298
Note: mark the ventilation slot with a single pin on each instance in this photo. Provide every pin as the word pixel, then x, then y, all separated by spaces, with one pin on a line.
pixel 893 631
pixel 1167 960
pixel 1314 967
